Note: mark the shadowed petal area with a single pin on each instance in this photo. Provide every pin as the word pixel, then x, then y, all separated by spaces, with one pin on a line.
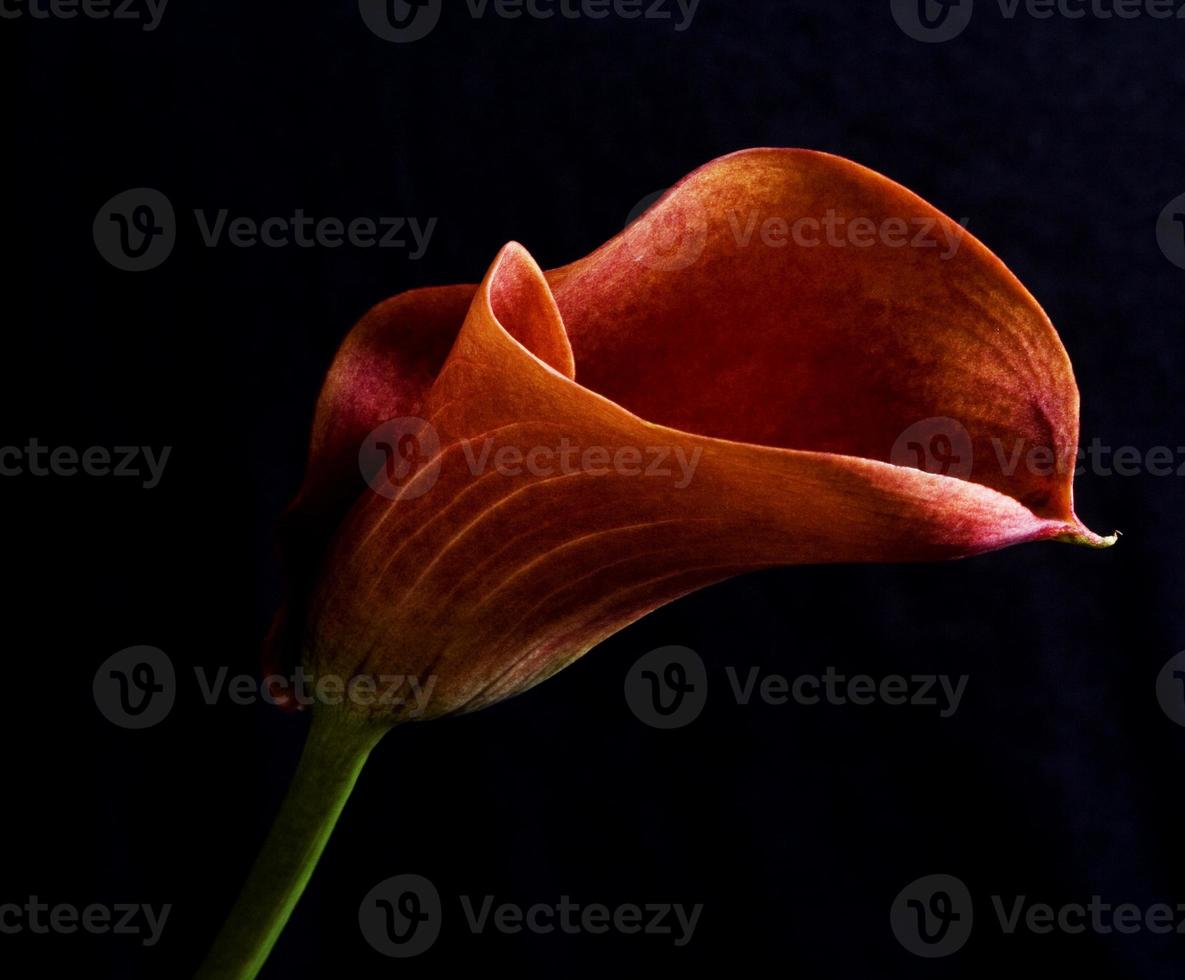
pixel 491 572
pixel 382 370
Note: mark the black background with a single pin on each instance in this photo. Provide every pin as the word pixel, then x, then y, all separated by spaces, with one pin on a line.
pixel 1059 777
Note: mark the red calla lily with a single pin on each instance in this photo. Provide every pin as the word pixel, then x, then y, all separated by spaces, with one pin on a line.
pixel 729 384
pixel 787 371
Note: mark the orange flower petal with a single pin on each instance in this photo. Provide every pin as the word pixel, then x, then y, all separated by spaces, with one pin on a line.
pixel 775 379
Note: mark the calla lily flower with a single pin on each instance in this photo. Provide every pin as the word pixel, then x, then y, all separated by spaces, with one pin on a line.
pixel 788 359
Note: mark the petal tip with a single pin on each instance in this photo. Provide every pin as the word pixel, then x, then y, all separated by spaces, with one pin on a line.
pixel 1080 534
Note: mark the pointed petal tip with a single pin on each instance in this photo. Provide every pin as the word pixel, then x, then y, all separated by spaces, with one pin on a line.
pixel 1079 534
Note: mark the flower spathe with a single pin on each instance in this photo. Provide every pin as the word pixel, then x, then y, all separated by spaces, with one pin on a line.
pixel 786 370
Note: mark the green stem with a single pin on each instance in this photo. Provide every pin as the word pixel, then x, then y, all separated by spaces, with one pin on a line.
pixel 337 748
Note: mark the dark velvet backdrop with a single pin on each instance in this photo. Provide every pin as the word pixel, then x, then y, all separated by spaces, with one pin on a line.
pixel 1059 777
